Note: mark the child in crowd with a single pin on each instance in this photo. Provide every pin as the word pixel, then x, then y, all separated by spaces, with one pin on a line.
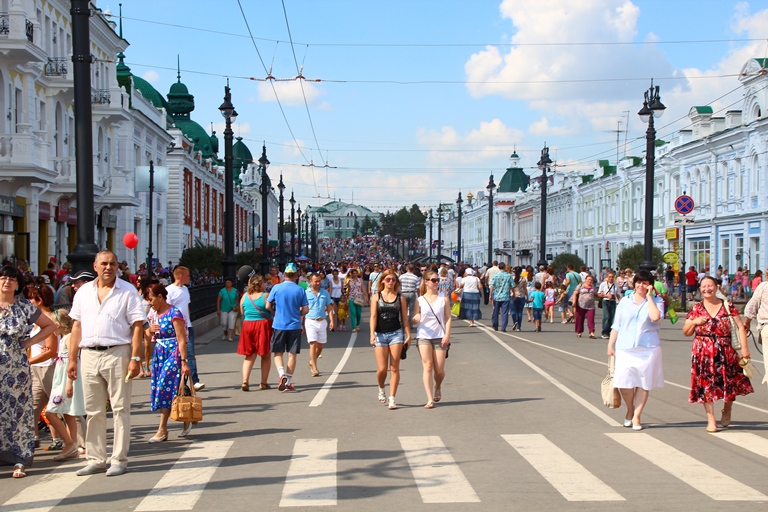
pixel 343 312
pixel 66 397
pixel 549 301
pixel 562 304
pixel 537 305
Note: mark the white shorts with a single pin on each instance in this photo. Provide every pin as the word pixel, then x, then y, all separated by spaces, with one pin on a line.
pixel 317 330
pixel 228 320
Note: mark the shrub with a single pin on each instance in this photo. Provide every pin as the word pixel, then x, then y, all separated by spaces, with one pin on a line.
pixel 562 261
pixel 632 257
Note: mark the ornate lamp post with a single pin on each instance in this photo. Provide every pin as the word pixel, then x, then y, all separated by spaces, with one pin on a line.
pixel 306 233
pixel 228 111
pixel 543 164
pixel 265 187
pixel 280 225
pixel 430 233
pixel 293 227
pixel 439 231
pixel 298 224
pixel 652 107
pixel 314 237
pixel 458 234
pixel 490 187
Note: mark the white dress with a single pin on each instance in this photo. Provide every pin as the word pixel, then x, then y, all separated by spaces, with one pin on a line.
pixel 58 402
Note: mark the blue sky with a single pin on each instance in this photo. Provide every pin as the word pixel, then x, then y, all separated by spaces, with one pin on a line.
pixel 421 99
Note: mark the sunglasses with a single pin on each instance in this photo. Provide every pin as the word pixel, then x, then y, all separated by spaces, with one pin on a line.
pixel 389 279
pixel 435 280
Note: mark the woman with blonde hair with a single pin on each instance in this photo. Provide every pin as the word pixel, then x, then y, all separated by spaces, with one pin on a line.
pixel 256 332
pixel 390 333
pixel 433 337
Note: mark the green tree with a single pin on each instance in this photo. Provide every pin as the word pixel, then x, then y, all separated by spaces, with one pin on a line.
pixel 562 261
pixel 632 257
pixel 203 259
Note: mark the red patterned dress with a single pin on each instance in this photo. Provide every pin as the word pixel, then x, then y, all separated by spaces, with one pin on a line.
pixel 715 371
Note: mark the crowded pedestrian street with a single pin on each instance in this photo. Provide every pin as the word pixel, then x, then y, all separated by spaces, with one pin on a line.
pixel 520 426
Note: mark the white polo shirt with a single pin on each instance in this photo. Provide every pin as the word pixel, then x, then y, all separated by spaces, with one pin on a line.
pixel 107 323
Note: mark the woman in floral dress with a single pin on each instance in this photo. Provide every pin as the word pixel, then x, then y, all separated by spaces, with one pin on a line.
pixel 17 421
pixel 168 330
pixel 715 371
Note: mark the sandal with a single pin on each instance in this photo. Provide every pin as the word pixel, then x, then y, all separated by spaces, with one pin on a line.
pixel 265 386
pixel 438 395
pixel 72 453
pixel 56 445
pixel 725 419
pixel 430 405
pixel 382 396
pixel 244 386
pixel 19 471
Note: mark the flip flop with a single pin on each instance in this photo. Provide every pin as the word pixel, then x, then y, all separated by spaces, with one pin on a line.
pixel 19 471
pixel 438 395
pixel 430 405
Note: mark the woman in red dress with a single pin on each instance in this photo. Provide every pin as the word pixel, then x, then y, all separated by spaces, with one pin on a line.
pixel 715 371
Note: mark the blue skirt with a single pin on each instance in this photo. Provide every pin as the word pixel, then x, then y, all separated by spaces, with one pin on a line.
pixel 166 374
pixel 470 306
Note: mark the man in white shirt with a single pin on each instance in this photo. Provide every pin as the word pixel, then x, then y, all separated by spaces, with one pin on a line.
pixel 108 324
pixel 409 286
pixel 178 295
pixel 486 277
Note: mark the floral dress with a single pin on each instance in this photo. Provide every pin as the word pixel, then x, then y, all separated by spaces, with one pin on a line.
pixel 166 360
pixel 17 422
pixel 715 371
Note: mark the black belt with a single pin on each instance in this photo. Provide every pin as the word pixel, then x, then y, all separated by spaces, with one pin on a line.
pixel 101 348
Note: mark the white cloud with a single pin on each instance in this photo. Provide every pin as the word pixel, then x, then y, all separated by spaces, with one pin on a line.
pixel 289 93
pixel 481 143
pixel 543 128
pixel 151 76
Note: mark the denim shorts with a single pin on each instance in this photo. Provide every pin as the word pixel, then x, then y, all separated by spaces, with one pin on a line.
pixel 385 339
pixel 565 303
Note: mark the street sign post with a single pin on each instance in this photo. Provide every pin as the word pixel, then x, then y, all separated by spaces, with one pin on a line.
pixel 684 204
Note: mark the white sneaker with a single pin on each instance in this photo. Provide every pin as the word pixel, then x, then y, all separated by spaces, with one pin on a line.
pixel 223 336
pixel 199 386
pixel 382 396
pixel 392 404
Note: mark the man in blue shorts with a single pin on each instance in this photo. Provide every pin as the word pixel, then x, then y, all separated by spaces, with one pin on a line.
pixel 288 302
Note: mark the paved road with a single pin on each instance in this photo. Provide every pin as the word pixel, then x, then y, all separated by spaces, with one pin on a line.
pixel 521 427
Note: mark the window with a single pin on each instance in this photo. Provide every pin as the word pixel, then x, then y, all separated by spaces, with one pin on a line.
pixel 725 252
pixel 741 256
pixel 700 255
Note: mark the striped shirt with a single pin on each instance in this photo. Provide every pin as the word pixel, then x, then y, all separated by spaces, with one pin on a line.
pixel 409 282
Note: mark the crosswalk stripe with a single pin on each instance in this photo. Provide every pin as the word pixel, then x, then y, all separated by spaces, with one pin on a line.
pixel 311 479
pixel 46 493
pixel 571 479
pixel 183 484
pixel 750 442
pixel 437 475
pixel 698 475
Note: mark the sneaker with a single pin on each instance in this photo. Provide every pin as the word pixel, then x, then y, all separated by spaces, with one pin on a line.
pixel 91 469
pixel 199 386
pixel 392 404
pixel 116 470
pixel 283 382
pixel 224 336
pixel 604 336
pixel 382 396
pixel 289 387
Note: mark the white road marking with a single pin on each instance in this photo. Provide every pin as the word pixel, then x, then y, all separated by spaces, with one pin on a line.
pixel 311 478
pixel 183 484
pixel 698 475
pixel 750 442
pixel 46 493
pixel 437 475
pixel 320 397
pixel 570 478
pixel 591 408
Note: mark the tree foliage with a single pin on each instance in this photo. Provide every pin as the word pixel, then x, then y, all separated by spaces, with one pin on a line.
pixel 404 223
pixel 203 259
pixel 632 257
pixel 562 261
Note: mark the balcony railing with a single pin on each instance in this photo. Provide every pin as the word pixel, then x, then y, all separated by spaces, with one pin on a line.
pixel 4 24
pixel 56 66
pixel 101 97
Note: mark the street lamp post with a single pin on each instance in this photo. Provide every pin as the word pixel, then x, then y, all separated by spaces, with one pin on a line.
pixel 253 236
pixel 306 234
pixel 543 164
pixel 430 233
pixel 280 225
pixel 298 233
pixel 490 187
pixel 293 227
pixel 652 107
pixel 314 237
pixel 458 234
pixel 265 186
pixel 439 232
pixel 228 111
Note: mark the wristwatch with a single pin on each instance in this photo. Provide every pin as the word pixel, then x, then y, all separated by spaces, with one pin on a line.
pixel 136 358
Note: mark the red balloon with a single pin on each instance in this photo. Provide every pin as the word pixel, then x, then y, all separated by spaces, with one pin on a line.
pixel 131 240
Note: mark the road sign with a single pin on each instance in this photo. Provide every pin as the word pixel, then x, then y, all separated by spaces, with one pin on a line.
pixel 684 221
pixel 684 205
pixel 671 257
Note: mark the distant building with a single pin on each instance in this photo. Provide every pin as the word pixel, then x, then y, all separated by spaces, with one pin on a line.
pixel 338 219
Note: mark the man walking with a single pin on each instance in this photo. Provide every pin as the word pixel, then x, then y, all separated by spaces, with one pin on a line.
pixel 486 278
pixel 608 291
pixel 178 295
pixel 108 319
pixel 409 284
pixel 316 323
pixel 571 281
pixel 500 287
pixel 289 303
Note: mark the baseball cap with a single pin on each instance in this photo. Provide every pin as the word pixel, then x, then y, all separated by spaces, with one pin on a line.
pixel 83 275
pixel 290 269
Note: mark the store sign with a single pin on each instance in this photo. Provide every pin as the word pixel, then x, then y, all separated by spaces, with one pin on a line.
pixel 8 206
pixel 45 211
pixel 672 233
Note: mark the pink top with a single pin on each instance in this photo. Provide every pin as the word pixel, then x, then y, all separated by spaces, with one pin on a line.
pixel 756 282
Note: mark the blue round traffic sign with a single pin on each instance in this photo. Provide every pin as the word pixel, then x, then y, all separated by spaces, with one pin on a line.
pixel 684 205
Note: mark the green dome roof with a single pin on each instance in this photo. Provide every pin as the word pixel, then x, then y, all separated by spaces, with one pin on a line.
pixel 514 180
pixel 180 102
pixel 241 155
pixel 196 134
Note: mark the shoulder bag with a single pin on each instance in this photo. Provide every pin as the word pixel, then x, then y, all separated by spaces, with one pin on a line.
pixel 186 408
pixel 611 395
pixel 735 340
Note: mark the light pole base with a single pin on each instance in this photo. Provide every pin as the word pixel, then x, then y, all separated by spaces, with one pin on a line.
pixel 541 263
pixel 648 265
pixel 82 257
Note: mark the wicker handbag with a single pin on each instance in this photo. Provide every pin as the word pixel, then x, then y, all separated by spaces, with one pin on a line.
pixel 611 395
pixel 186 408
